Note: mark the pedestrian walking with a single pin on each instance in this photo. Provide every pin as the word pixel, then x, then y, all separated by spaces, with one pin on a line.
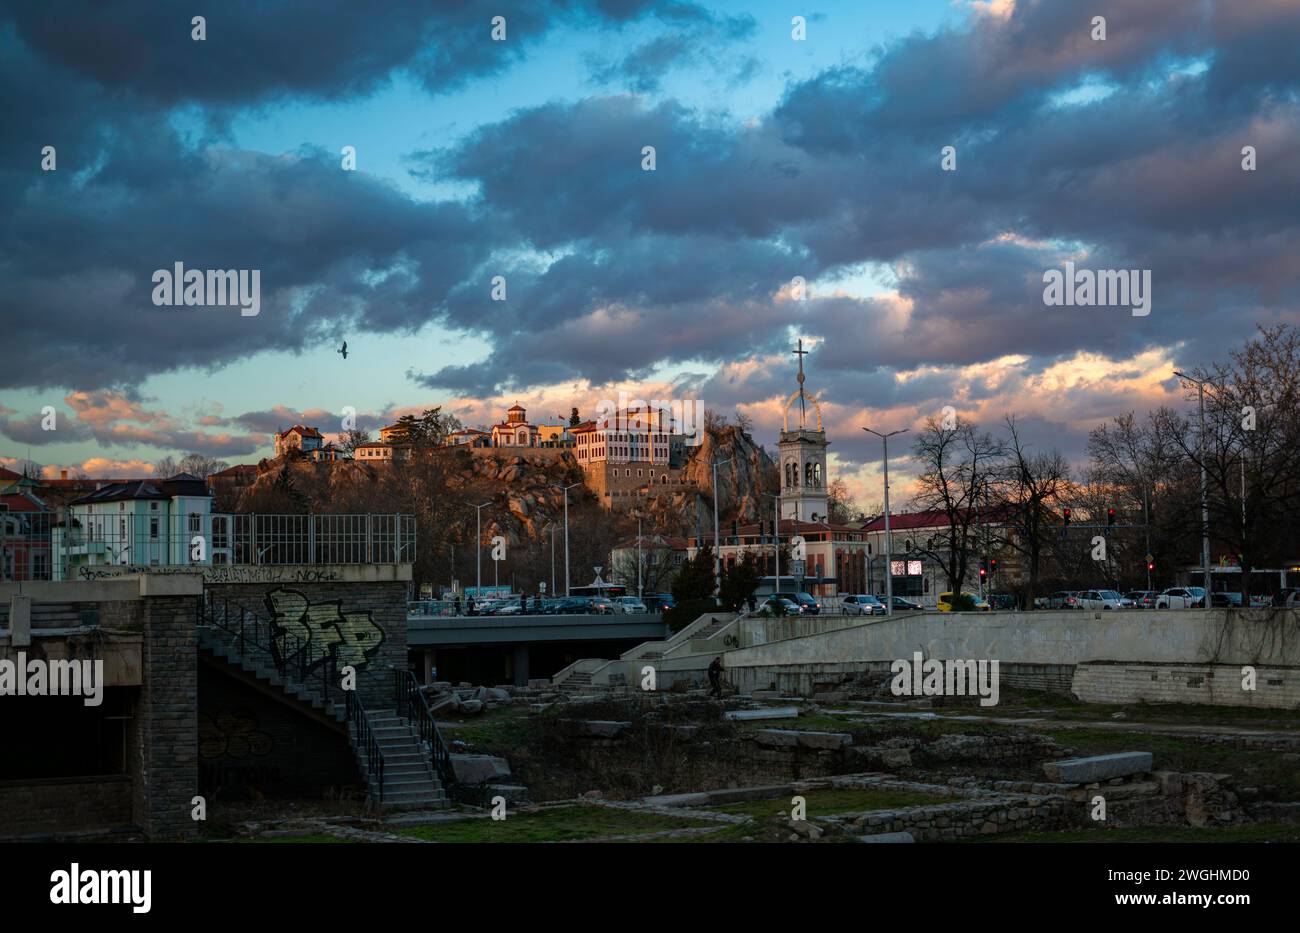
pixel 715 678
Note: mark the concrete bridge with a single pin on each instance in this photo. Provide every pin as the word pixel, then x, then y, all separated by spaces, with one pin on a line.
pixel 500 649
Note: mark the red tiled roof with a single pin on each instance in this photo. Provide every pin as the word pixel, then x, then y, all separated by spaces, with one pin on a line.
pixel 305 432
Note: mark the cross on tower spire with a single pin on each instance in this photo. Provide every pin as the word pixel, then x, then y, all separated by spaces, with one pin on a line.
pixel 801 353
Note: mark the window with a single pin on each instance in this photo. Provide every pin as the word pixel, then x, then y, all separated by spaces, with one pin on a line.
pixel 153 506
pixel 195 523
pixel 153 528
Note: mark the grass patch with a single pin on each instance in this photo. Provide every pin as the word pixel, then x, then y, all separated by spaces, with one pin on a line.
pixel 835 800
pixel 498 729
pixel 1165 713
pixel 1179 753
pixel 1248 832
pixel 312 838
pixel 556 824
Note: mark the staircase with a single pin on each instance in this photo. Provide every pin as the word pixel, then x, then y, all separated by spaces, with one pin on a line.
pixel 578 680
pixel 395 758
pixel 408 779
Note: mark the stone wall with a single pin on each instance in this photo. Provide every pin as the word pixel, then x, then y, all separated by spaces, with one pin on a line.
pixel 163 754
pixel 357 615
pixel 56 805
pixel 1218 685
pixel 253 746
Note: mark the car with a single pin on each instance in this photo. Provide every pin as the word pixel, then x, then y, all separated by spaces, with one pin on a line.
pixel 903 605
pixel 629 604
pixel 1286 597
pixel 1143 599
pixel 508 609
pixel 778 606
pixel 1061 599
pixel 861 604
pixel 1181 597
pixel 1098 599
pixel 945 602
pixel 658 602
pixel 1225 600
pixel 602 605
pixel 570 605
pixel 804 601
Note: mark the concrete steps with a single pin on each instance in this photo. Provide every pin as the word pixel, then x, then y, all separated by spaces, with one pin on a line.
pixel 410 782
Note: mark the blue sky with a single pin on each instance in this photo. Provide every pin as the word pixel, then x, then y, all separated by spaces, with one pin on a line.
pixel 777 157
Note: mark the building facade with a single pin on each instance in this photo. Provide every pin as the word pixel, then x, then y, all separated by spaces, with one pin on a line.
pixel 300 438
pixel 515 431
pixel 145 523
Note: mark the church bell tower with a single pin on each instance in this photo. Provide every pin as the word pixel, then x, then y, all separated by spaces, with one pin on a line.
pixel 803 458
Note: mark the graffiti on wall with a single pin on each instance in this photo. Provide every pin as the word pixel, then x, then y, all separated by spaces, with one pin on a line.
pixel 232 734
pixel 323 629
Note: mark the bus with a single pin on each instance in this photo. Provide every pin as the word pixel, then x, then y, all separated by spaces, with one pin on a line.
pixel 608 590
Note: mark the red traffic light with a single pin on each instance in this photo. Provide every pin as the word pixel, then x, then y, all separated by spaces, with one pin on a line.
pixel 1110 516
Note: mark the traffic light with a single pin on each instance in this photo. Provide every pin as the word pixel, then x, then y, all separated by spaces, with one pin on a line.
pixel 1151 565
pixel 993 565
pixel 984 570
pixel 1110 517
pixel 1066 513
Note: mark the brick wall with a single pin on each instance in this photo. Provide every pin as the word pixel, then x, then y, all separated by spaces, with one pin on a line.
pixel 163 753
pixel 252 745
pixel 368 630
pixel 1216 685
pixel 58 805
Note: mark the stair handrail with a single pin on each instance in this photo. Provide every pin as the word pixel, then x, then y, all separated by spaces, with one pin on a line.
pixel 289 653
pixel 365 740
pixel 412 704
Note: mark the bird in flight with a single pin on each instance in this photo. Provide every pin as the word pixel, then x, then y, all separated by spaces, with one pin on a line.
pixel 343 349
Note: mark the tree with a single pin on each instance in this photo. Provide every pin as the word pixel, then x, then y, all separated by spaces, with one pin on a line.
pixel 692 590
pixel 739 582
pixel 1249 448
pixel 1029 486
pixel 574 420
pixel 841 507
pixel 352 439
pixel 201 465
pixel 958 465
pixel 165 467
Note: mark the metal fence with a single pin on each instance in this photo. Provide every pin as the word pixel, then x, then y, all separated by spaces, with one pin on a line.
pixel 52 546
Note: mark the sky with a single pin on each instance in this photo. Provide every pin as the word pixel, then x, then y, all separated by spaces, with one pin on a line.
pixel 779 159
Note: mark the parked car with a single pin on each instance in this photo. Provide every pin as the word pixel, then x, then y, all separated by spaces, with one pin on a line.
pixel 629 604
pixel 1143 599
pixel 602 605
pixel 1061 599
pixel 778 606
pixel 508 609
pixel 804 601
pixel 905 605
pixel 861 604
pixel 658 602
pixel 570 605
pixel 1098 599
pixel 1287 597
pixel 945 602
pixel 1181 597
pixel 1225 600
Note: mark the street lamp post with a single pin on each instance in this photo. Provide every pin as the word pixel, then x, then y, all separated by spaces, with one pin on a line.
pixel 776 540
pixel 566 489
pixel 889 552
pixel 478 546
pixel 717 554
pixel 1205 502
